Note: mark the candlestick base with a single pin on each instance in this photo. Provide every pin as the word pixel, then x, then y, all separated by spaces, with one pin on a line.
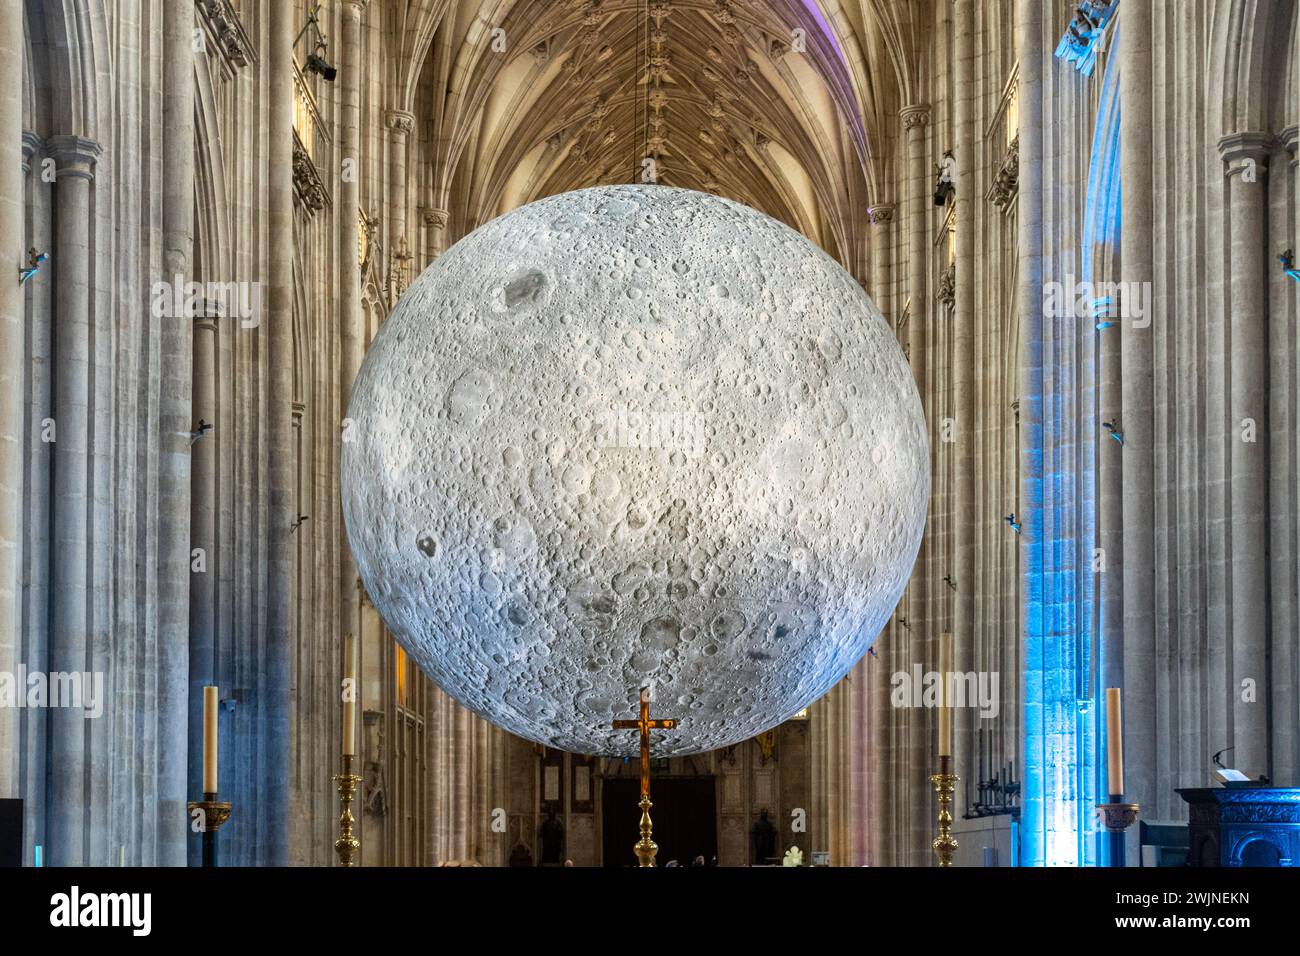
pixel 1117 816
pixel 347 846
pixel 646 848
pixel 944 845
pixel 212 814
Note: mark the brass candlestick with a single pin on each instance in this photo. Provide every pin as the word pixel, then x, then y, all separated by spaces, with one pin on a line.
pixel 1117 816
pixel 944 781
pixel 646 848
pixel 347 846
pixel 212 814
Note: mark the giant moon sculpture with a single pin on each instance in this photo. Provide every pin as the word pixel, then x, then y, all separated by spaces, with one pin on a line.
pixel 635 436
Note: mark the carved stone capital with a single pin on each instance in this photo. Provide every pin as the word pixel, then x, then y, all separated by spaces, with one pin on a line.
pixel 307 180
pixel 399 121
pixel 73 156
pixel 918 114
pixel 947 294
pixel 31 143
pixel 435 218
pixel 1006 182
pixel 881 214
pixel 232 38
pixel 1246 151
pixel 1288 137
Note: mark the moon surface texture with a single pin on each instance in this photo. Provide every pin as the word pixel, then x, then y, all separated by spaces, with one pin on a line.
pixel 635 436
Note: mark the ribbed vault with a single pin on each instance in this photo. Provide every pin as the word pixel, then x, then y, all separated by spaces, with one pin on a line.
pixel 764 102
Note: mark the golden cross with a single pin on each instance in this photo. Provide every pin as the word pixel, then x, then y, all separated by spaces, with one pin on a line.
pixel 646 849
pixel 645 725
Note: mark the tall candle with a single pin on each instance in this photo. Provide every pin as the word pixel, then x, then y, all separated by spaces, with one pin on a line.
pixel 945 705
pixel 1114 742
pixel 209 740
pixel 349 695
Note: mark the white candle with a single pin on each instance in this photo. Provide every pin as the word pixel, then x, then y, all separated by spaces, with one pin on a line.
pixel 209 740
pixel 349 695
pixel 1114 743
pixel 945 705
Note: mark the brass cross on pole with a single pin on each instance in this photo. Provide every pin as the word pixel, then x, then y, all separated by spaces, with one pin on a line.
pixel 646 848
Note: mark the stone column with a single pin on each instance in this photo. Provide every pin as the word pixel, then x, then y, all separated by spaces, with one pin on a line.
pixel 1029 308
pixel 435 220
pixel 834 777
pixel 442 771
pixel 1137 422
pixel 818 828
pixel 461 748
pixel 872 817
pixel 915 801
pixel 482 812
pixel 279 443
pixel 352 333
pixel 856 753
pixel 965 393
pixel 37 463
pixel 881 215
pixel 501 793
pixel 174 424
pixel 400 123
pixel 75 160
pixel 445 773
pixel 203 534
pixel 1284 427
pixel 12 359
pixel 1246 212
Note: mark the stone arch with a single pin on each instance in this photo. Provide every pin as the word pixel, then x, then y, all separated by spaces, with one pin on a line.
pixel 211 206
pixel 72 39
pixel 1101 219
pixel 1243 41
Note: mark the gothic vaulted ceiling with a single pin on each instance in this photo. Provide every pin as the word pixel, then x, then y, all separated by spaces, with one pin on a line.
pixel 775 103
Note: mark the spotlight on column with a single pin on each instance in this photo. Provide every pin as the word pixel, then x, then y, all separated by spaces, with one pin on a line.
pixel 1288 264
pixel 1011 520
pixel 200 430
pixel 947 579
pixel 298 523
pixel 1113 428
pixel 902 622
pixel 34 260
pixel 317 64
